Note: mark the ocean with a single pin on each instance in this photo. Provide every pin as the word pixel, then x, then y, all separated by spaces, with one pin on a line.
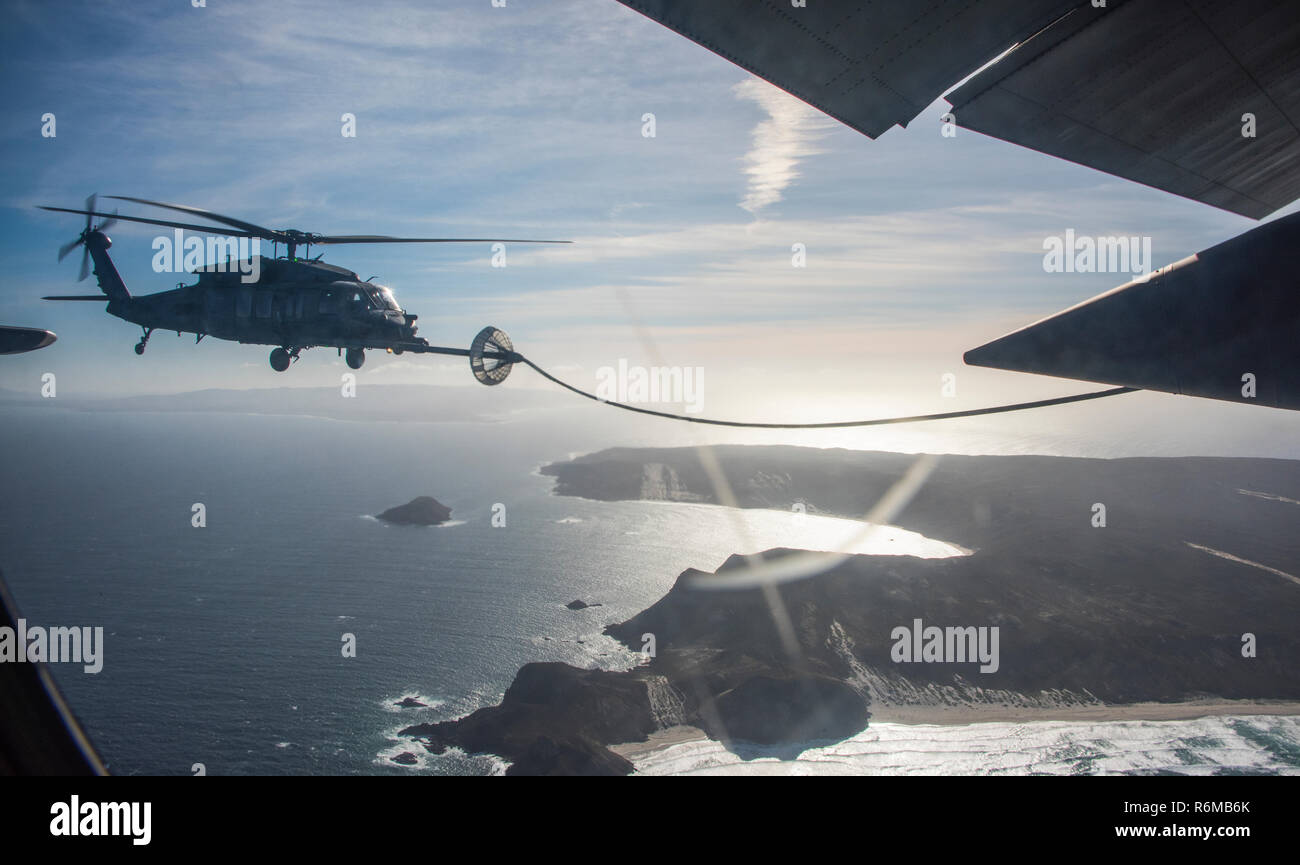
pixel 223 644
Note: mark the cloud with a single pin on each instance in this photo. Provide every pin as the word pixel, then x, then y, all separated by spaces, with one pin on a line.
pixel 786 136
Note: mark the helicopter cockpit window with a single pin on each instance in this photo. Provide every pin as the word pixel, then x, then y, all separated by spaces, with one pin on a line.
pixel 328 302
pixel 358 302
pixel 383 299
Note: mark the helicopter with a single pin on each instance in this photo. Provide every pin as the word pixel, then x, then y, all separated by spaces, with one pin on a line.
pixel 295 303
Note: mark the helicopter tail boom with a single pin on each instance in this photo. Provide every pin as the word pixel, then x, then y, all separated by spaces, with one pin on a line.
pixel 95 244
pixel 110 281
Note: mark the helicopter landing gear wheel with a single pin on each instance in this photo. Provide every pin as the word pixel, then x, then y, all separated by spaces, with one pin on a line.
pixel 139 348
pixel 355 357
pixel 491 356
pixel 144 340
pixel 279 359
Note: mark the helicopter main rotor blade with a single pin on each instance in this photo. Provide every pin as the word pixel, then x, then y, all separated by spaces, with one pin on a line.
pixel 378 238
pixel 205 229
pixel 251 227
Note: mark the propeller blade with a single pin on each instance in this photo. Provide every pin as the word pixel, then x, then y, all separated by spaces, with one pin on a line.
pixel 205 229
pixel 68 247
pixel 379 238
pixel 85 263
pixel 251 227
pixel 90 206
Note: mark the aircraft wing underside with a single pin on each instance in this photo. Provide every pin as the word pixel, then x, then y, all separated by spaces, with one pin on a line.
pixel 1150 90
pixel 1223 324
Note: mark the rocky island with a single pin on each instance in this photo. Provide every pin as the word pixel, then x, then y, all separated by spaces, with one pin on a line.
pixel 419 511
pixel 1180 602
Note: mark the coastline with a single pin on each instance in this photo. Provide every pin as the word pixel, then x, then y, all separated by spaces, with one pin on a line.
pixel 1117 630
pixel 1146 711
pixel 945 716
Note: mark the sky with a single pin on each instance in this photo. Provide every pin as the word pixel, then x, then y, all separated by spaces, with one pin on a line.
pixel 527 121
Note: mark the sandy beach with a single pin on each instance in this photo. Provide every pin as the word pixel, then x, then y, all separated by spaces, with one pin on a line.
pixel 1182 711
pixel 958 715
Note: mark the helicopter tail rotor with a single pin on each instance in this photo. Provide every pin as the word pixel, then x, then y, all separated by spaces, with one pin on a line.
pixel 491 356
pixel 80 239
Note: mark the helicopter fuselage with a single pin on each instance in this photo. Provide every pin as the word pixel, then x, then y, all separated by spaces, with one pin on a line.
pixel 295 304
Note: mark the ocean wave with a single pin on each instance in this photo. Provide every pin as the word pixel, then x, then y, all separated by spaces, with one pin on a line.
pixel 1255 744
pixel 414 757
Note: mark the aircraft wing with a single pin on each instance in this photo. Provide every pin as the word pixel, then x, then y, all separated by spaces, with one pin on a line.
pixel 15 340
pixel 1221 324
pixel 39 735
pixel 1160 92
pixel 1150 90
pixel 869 65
